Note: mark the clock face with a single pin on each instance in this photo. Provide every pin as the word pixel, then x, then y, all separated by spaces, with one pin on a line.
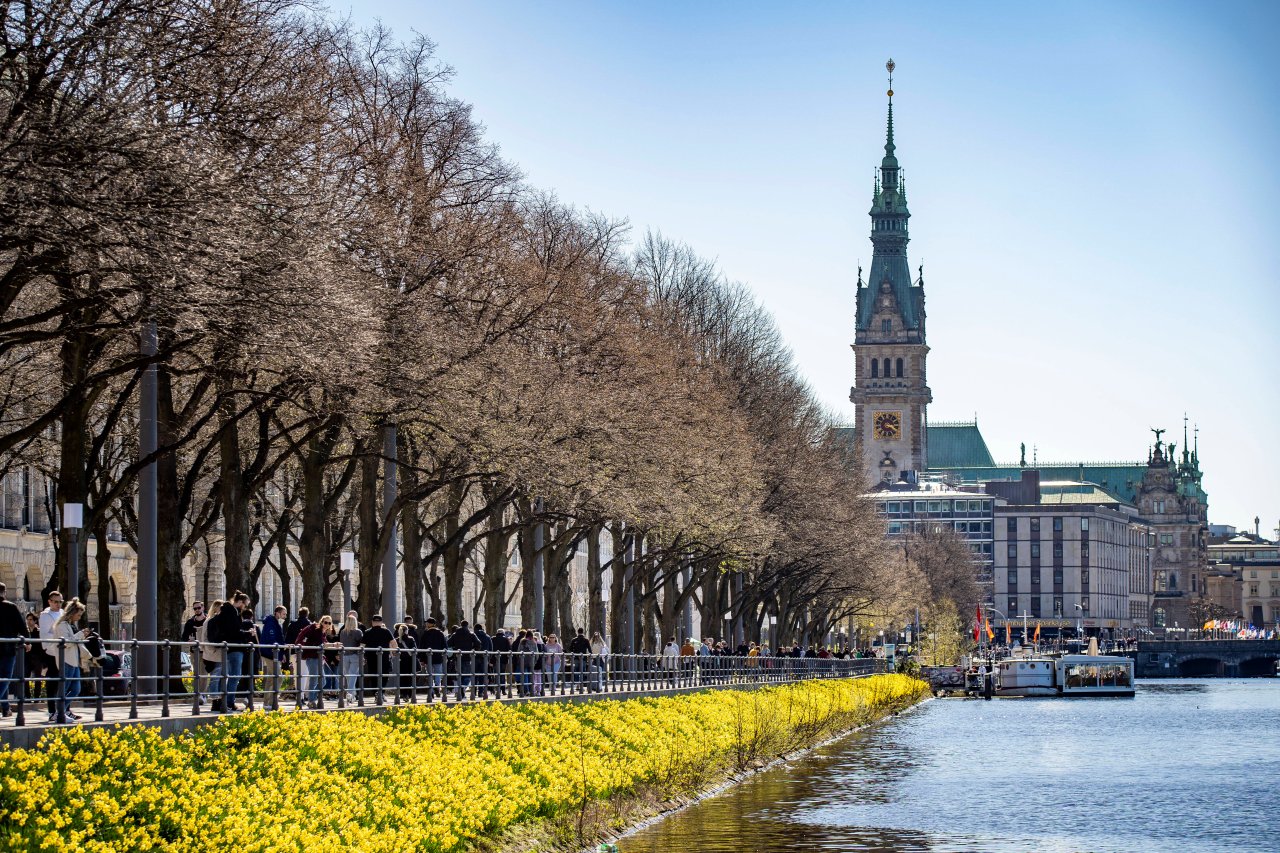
pixel 888 425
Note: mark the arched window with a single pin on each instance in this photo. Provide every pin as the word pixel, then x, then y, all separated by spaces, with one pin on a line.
pixel 115 596
pixel 898 365
pixel 1173 580
pixel 875 368
pixel 1158 617
pixel 887 374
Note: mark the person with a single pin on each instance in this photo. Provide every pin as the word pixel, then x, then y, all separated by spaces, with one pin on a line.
pixel 526 649
pixel 408 660
pixel 671 660
pixel 579 658
pixel 502 661
pixel 599 651
pixel 553 663
pixel 248 637
pixel 540 648
pixel 291 632
pixel 483 667
pixel 435 641
pixel 352 639
pixel 377 665
pixel 211 660
pixel 225 629
pixel 37 662
pixel 462 640
pixel 191 625
pixel 66 633
pixel 272 657
pixel 48 618
pixel 13 631
pixel 331 660
pixel 311 641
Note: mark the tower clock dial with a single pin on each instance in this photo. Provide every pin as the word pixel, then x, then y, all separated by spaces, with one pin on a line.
pixel 887 425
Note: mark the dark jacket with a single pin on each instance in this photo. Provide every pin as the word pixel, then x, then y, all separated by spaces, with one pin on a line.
pixel 13 625
pixel 463 640
pixel 272 635
pixel 579 645
pixel 485 641
pixel 377 641
pixel 226 627
pixel 433 638
pixel 501 642
pixel 291 632
pixel 189 628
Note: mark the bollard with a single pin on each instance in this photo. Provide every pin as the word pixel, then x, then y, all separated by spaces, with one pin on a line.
pixel 101 688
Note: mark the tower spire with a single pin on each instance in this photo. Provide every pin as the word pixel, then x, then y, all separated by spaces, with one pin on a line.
pixel 889 147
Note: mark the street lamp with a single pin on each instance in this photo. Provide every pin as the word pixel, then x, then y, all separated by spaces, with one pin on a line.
pixel 72 521
pixel 346 564
pixel 1080 624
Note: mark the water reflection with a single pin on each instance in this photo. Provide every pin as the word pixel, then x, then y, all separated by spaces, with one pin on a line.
pixel 1159 771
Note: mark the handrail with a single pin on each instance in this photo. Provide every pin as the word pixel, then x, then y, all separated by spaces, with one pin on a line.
pixel 218 676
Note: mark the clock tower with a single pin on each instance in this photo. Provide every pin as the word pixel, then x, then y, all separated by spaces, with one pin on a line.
pixel 890 393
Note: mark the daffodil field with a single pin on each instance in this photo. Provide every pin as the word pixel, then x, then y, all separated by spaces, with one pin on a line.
pixel 421 778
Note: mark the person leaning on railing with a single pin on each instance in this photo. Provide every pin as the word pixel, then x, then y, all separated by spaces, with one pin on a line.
pixel 13 629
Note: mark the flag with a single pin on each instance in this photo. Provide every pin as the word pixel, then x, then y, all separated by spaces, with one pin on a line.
pixel 991 635
pixel 1208 626
pixel 1037 634
pixel 1008 635
pixel 977 625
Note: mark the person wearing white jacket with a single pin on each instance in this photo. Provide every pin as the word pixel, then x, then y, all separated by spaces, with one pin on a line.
pixel 68 629
pixel 671 660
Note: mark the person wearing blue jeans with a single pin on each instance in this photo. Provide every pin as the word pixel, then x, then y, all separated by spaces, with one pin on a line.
pixel 68 634
pixel 13 630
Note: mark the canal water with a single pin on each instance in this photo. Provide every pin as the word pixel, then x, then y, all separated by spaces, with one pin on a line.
pixel 1185 765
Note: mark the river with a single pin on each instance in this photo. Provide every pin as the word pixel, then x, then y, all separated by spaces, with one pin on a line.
pixel 1189 764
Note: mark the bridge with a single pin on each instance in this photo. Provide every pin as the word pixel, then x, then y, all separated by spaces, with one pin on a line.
pixel 1201 658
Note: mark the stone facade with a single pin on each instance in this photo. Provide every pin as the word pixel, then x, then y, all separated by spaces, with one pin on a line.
pixel 1171 499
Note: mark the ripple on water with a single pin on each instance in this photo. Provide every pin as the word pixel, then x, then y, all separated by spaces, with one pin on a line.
pixel 1187 765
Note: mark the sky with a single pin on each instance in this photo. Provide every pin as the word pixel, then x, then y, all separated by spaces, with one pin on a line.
pixel 1093 189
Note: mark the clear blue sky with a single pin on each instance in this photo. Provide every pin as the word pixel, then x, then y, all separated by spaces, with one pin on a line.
pixel 1093 187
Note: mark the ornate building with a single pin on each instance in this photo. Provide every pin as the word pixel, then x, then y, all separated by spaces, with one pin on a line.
pixel 889 348
pixel 1171 498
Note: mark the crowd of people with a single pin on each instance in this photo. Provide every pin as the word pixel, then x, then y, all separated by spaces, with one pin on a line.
pixel 306 659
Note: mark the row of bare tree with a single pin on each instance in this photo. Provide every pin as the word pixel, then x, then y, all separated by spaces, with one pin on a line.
pixel 348 279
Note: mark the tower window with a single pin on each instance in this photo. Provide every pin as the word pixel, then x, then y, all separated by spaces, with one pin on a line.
pixel 886 326
pixel 898 365
pixel 875 368
pixel 887 374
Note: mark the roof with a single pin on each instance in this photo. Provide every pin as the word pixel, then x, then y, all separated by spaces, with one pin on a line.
pixel 957 445
pixel 1067 492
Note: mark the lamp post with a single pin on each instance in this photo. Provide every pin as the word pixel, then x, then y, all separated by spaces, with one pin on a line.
pixel 72 521
pixel 346 564
pixel 1080 624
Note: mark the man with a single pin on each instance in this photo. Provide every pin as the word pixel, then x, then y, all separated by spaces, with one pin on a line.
pixel 482 660
pixel 501 660
pixel 377 667
pixel 671 660
pixel 240 661
pixel 48 618
pixel 579 657
pixel 192 625
pixel 291 635
pixel 225 627
pixel 13 627
pixel 273 635
pixel 433 639
pixel 462 640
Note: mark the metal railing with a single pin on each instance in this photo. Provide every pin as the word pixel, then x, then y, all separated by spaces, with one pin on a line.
pixel 223 677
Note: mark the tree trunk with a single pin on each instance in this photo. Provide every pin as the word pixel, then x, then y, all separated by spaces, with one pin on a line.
pixel 236 544
pixel 524 541
pixel 103 582
pixel 414 577
pixel 370 558
pixel 451 556
pixel 313 545
pixel 595 583
pixel 617 589
pixel 170 586
pixel 496 542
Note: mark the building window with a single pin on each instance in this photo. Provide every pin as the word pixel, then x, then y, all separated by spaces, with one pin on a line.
pixel 1159 507
pixel 1011 525
pixel 1253 590
pixel 1057 525
pixel 1057 605
pixel 1057 576
pixel 1035 577
pixel 895 527
pixel 1158 617
pixel 1013 604
pixel 1035 525
pixel 898 365
pixel 1084 525
pixel 1084 604
pixel 1166 538
pixel 1013 552
pixel 1035 550
pixel 1057 550
pixel 875 368
pixel 886 326
pixel 886 364
pixel 1035 605
pixel 1084 577
pixel 1013 577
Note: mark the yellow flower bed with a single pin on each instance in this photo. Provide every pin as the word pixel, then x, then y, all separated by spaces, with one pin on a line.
pixel 421 778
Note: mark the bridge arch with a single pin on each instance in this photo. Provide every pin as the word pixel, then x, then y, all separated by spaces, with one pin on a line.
pixel 1262 666
pixel 1200 667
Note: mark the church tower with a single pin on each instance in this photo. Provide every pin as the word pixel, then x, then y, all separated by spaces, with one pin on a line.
pixel 889 349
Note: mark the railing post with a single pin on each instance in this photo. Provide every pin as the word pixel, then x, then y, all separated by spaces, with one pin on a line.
pixel 275 678
pixel 378 700
pixel 100 687
pixel 133 679
pixel 250 672
pixel 164 698
pixel 226 678
pixel 60 711
pixel 20 666
pixel 197 660
pixel 360 680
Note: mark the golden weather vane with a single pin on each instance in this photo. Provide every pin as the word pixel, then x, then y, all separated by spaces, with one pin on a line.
pixel 889 66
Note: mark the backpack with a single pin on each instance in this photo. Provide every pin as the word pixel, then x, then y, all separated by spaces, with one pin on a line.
pixel 212 630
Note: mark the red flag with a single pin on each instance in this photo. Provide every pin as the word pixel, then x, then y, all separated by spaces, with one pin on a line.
pixel 991 635
pixel 1008 635
pixel 977 625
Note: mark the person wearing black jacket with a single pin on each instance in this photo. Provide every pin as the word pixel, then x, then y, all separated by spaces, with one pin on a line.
pixel 482 660
pixel 579 657
pixel 193 624
pixel 291 632
pixel 434 640
pixel 225 627
pixel 502 660
pixel 377 643
pixel 12 627
pixel 462 640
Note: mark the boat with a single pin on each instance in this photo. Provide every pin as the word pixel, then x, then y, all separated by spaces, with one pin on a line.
pixel 1067 675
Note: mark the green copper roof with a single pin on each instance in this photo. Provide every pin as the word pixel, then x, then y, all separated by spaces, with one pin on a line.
pixel 957 445
pixel 1060 492
pixel 1118 478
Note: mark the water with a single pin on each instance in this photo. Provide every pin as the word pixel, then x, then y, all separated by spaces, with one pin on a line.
pixel 1186 765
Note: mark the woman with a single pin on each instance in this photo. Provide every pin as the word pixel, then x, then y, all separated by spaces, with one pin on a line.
pixel 211 660
pixel 526 650
pixel 352 639
pixel 332 660
pixel 598 653
pixel 553 664
pixel 408 656
pixel 539 648
pixel 311 641
pixel 35 661
pixel 68 630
